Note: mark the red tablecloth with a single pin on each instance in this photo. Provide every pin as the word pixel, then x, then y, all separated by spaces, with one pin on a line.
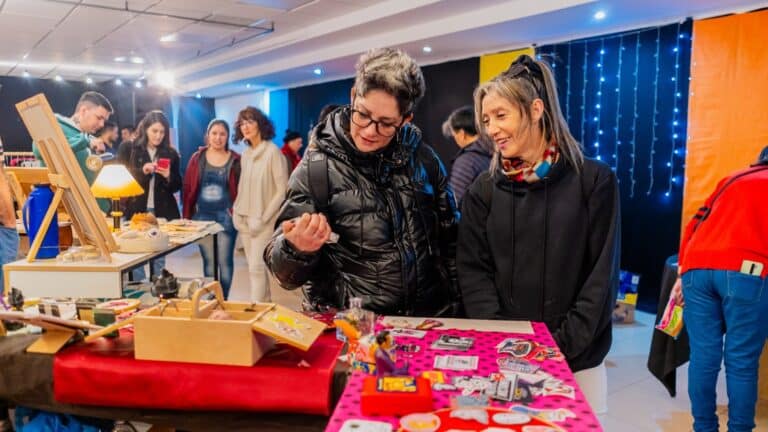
pixel 105 373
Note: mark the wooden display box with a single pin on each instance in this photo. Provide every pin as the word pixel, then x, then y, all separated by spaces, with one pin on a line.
pixel 180 331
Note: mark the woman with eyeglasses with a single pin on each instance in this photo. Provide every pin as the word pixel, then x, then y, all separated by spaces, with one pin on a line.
pixel 539 234
pixel 369 178
pixel 263 179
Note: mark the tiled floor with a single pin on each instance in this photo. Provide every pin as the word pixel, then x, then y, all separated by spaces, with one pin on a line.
pixel 637 401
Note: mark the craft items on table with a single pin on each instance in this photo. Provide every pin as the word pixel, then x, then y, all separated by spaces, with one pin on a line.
pixel 449 342
pixel 410 323
pixel 143 235
pixel 395 395
pixel 79 254
pixel 385 357
pixel 476 388
pixel 365 426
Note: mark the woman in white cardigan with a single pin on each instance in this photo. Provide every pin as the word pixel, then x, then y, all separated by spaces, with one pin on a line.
pixel 263 182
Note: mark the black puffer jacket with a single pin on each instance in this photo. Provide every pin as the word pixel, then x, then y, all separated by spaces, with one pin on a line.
pixel 396 219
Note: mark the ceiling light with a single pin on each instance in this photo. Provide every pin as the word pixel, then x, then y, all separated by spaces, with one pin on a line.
pixel 248 85
pixel 138 84
pixel 89 80
pixel 58 78
pixel 120 59
pixel 317 71
pixel 24 57
pixel 166 79
pixel 137 60
pixel 427 49
pixel 118 82
pixel 198 95
pixel 26 74
pixel 599 15
pixel 169 37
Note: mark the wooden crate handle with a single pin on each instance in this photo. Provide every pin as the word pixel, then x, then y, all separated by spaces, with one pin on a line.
pixel 213 287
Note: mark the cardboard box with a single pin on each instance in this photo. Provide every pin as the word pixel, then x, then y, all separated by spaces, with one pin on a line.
pixel 626 299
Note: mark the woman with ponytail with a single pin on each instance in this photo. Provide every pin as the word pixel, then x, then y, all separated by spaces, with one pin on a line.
pixel 539 233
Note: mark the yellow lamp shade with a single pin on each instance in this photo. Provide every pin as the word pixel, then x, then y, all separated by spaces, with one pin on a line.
pixel 114 181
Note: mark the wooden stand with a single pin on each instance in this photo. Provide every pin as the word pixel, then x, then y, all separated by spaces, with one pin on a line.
pixel 64 172
pixel 51 341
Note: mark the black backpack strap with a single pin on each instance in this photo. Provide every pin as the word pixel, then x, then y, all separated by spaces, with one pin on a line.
pixel 317 171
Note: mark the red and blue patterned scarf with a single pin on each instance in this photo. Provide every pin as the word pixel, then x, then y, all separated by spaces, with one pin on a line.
pixel 520 171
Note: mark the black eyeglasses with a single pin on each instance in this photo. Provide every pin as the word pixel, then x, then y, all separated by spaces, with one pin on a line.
pixel 364 120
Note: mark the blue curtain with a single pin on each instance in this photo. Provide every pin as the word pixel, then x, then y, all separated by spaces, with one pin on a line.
pixel 625 97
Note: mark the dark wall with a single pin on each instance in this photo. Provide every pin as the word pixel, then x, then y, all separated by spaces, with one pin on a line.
pixel 193 118
pixel 305 103
pixel 639 137
pixel 129 103
pixel 449 86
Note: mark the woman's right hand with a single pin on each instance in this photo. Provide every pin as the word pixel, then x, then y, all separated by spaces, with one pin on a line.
pixel 677 293
pixel 148 168
pixel 308 233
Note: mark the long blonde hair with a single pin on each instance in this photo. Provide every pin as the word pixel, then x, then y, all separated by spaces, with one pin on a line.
pixel 526 80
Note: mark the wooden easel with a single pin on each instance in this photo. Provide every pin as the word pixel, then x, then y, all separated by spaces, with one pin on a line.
pixel 64 172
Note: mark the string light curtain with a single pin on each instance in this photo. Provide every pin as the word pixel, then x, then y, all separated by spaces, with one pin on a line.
pixel 625 98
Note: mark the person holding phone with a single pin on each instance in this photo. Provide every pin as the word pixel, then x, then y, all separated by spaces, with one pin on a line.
pixel 155 166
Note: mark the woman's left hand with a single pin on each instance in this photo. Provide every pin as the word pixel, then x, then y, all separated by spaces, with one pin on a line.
pixel 165 172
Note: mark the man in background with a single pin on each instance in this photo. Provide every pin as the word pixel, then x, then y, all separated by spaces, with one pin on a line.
pixel 126 133
pixel 474 154
pixel 108 135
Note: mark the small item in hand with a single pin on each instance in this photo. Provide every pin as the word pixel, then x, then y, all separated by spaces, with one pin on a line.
pixel 163 163
pixel 672 320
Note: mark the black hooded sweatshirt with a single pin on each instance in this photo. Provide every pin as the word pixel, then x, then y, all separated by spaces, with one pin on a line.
pixel 546 251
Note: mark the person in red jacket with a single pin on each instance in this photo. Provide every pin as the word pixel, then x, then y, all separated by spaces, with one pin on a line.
pixel 724 264
pixel 210 189
pixel 292 144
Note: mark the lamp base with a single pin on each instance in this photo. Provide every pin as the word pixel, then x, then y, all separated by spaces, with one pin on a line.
pixel 116 215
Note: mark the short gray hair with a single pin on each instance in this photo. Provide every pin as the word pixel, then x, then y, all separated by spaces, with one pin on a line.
pixel 394 72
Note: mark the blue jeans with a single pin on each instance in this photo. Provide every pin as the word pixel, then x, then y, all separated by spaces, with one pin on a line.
pixel 724 303
pixel 9 248
pixel 226 244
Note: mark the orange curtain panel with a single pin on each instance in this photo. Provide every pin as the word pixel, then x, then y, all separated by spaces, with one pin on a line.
pixel 728 105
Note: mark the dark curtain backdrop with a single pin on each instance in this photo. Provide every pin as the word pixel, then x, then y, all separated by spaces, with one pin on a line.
pixel 305 103
pixel 449 86
pixel 625 98
pixel 193 118
pixel 129 103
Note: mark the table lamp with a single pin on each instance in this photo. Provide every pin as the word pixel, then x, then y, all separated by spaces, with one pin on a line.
pixel 115 182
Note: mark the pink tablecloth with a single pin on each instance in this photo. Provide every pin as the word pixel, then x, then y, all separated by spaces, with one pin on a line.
pixel 485 348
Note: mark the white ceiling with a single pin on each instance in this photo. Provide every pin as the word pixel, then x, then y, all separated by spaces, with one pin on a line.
pixel 221 46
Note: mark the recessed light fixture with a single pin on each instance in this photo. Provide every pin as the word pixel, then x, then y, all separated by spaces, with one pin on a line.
pixel 24 57
pixel 137 60
pixel 248 85
pixel 169 37
pixel 89 80
pixel 58 78
pixel 118 82
pixel 317 71
pixel 25 74
pixel 599 15
pixel 138 84
pixel 166 79
pixel 120 59
pixel 427 49
pixel 198 95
